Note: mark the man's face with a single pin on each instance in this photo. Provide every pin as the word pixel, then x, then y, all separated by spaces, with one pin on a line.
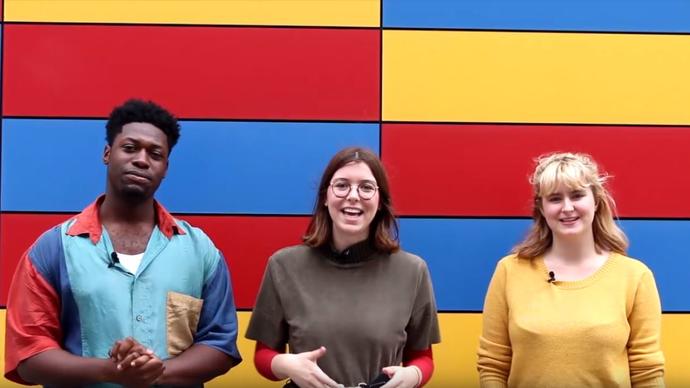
pixel 137 161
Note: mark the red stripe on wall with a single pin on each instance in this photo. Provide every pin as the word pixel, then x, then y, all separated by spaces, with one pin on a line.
pixel 246 242
pixel 482 170
pixel 196 72
pixel 17 233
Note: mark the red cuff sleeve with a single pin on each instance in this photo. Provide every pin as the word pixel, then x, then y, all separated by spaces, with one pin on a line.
pixel 32 325
pixel 263 356
pixel 422 359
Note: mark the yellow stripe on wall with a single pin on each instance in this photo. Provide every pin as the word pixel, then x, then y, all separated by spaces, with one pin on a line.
pixel 354 13
pixel 455 358
pixel 675 342
pixel 473 76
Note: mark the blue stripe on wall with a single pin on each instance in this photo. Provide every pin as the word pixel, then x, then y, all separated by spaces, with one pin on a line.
pixel 568 15
pixel 217 167
pixel 662 245
pixel 462 255
pixel 51 165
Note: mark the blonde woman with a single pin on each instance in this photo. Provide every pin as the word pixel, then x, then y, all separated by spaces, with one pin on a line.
pixel 567 308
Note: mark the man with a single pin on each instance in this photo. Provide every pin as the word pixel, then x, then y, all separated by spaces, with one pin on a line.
pixel 123 293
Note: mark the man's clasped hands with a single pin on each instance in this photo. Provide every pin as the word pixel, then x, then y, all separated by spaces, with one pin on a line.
pixel 137 366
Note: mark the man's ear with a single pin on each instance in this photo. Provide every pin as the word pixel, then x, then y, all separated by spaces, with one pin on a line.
pixel 106 154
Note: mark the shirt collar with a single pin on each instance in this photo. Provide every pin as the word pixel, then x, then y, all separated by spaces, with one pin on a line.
pixel 355 254
pixel 88 222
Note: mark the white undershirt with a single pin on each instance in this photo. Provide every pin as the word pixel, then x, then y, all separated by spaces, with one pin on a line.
pixel 130 262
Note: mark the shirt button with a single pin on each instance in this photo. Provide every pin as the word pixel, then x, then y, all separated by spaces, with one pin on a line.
pixel 139 318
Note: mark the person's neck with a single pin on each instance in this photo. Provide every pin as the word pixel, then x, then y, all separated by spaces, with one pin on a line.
pixel 117 210
pixel 340 244
pixel 573 251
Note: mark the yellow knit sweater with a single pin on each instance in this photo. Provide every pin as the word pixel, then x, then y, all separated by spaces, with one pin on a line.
pixel 602 331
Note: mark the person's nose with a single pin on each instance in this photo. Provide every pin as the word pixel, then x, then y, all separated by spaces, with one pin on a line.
pixel 353 195
pixel 568 205
pixel 141 159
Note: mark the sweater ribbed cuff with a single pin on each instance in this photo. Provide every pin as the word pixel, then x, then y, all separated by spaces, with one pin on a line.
pixel 493 384
pixel 656 382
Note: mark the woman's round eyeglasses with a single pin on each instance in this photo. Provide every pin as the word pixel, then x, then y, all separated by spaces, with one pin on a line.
pixel 341 188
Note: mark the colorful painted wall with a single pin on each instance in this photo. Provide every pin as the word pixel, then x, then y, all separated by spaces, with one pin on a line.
pixel 458 97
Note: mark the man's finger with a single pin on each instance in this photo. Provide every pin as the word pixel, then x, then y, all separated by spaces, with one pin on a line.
pixel 152 363
pixel 152 370
pixel 127 361
pixel 125 347
pixel 115 350
pixel 139 361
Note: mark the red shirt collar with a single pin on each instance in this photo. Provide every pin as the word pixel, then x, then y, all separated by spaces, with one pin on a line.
pixel 89 222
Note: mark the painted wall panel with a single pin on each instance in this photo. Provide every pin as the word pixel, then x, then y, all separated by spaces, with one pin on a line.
pixel 662 246
pixel 483 170
pixel 675 339
pixel 266 12
pixel 196 72
pixel 38 167
pixel 17 233
pixel 536 77
pixel 571 15
pixel 217 167
pixel 247 243
pixel 461 255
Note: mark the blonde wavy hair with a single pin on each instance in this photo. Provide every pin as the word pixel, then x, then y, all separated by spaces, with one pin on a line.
pixel 575 171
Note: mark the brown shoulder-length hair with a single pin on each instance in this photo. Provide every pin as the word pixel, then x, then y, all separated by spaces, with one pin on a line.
pixel 383 231
pixel 575 171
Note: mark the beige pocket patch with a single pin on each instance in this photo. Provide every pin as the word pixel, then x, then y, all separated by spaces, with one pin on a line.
pixel 183 312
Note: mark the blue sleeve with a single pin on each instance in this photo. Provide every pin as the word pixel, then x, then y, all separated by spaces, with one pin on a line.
pixel 218 321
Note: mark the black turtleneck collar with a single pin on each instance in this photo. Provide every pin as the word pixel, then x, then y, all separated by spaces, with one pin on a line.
pixel 356 253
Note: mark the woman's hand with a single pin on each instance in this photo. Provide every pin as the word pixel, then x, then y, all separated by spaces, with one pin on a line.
pixel 302 369
pixel 402 377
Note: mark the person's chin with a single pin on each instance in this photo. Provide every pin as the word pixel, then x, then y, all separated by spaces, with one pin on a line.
pixel 351 228
pixel 571 231
pixel 135 192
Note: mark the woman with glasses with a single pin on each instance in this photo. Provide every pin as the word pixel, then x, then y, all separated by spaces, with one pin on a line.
pixel 568 308
pixel 352 307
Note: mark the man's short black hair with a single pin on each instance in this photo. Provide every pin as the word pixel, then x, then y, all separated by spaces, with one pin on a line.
pixel 140 111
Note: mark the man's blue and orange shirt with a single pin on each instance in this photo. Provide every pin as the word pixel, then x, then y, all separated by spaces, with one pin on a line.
pixel 68 293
